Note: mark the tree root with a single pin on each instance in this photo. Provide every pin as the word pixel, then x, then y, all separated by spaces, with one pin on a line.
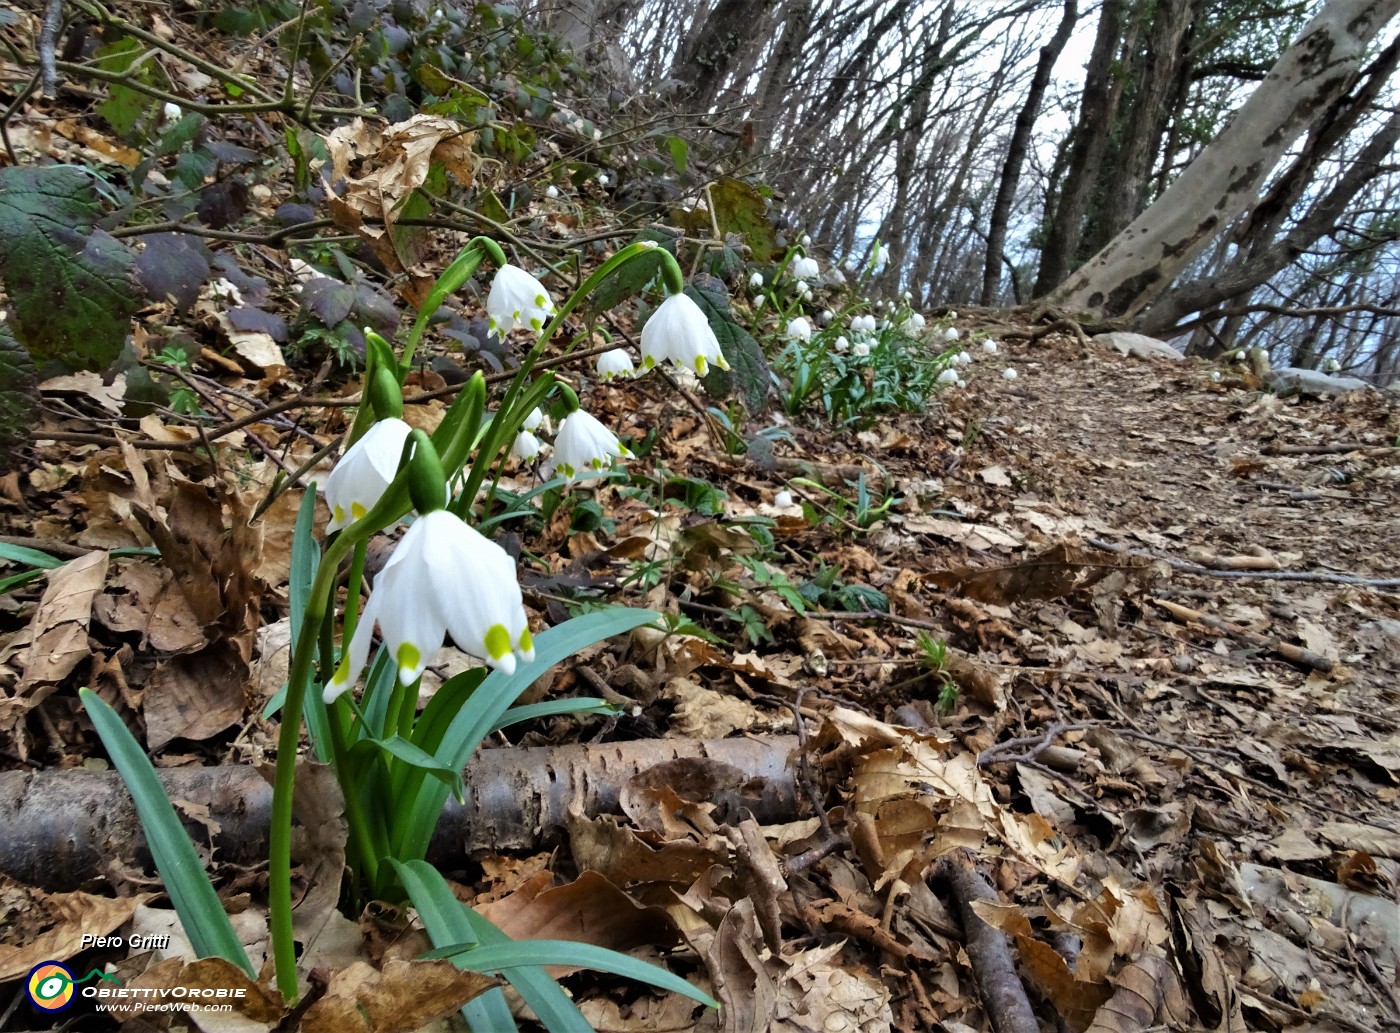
pixel 998 984
pixel 60 830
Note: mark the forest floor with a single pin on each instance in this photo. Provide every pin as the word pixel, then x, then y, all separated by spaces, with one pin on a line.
pixel 1186 749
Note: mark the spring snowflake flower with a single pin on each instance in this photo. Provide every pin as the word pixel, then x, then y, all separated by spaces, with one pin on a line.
pixel 584 444
pixel 806 240
pixel 364 472
pixel 526 447
pixel 172 111
pixel 1215 375
pixel 759 301
pixel 603 180
pixel 616 363
pixel 1331 366
pixel 1009 373
pixel 804 268
pixel 948 376
pixel 1240 356
pixel 517 299
pixel 799 330
pixel 551 191
pixel 679 330
pixel 989 346
pixel 841 344
pixel 914 324
pixel 533 421
pixel 962 359
pixel 443 576
pixel 860 349
pixel 783 499
pixel 952 315
pixel 951 334
pixel 825 316
pixel 756 280
pixel 597 134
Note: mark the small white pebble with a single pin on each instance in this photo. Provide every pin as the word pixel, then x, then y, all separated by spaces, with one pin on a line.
pixel 783 499
pixel 1009 373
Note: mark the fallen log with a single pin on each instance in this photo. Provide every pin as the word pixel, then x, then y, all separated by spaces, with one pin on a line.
pixel 65 830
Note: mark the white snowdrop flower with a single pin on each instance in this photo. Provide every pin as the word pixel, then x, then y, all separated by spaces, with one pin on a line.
pixel 759 302
pixel 960 382
pixel 526 447
pixel 533 421
pixel 756 280
pixel 804 268
pixel 948 376
pixel 989 346
pixel 551 191
pixel 1215 375
pixel 443 576
pixel 962 358
pixel 841 345
pixel 1009 373
pixel 951 334
pixel 952 315
pixel 799 330
pixel 679 330
pixel 603 180
pixel 517 299
pixel 364 472
pixel 907 295
pixel 172 111
pixel 867 323
pixel 783 499
pixel 914 324
pixel 615 363
pixel 804 292
pixel 860 349
pixel 825 316
pixel 1331 366
pixel 806 240
pixel 584 444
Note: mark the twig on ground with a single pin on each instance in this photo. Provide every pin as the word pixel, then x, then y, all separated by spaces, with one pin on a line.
pixel 48 45
pixel 1269 575
pixel 1296 655
pixel 998 984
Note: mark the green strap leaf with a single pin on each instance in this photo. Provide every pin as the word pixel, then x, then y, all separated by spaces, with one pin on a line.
pixel 205 922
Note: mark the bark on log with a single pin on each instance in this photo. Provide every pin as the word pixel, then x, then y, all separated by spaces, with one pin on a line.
pixel 61 830
pixel 998 983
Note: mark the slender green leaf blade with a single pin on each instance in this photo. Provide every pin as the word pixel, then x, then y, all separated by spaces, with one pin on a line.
pixel 205 922
pixel 32 557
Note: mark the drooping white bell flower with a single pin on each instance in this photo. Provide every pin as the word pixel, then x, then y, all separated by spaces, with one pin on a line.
pixel 364 472
pixel 597 134
pixel 806 240
pixel 801 289
pixel 551 191
pixel 960 382
pixel 615 363
pixel 1215 375
pixel 835 277
pixel 799 330
pixel 989 346
pixel 825 316
pixel 914 324
pixel 783 499
pixel 172 111
pixel 603 180
pixel 948 376
pixel 879 257
pixel 962 358
pixel 1331 366
pixel 951 334
pixel 952 315
pixel 860 349
pixel 584 444
pixel 804 268
pixel 1009 373
pixel 841 344
pixel 517 299
pixel 534 420
pixel 526 447
pixel 756 280
pixel 680 331
pixel 1241 355
pixel 443 576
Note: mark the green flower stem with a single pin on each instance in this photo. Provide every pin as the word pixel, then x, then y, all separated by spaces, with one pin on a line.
pixel 506 421
pixel 406 702
pixel 352 595
pixel 366 844
pixel 451 280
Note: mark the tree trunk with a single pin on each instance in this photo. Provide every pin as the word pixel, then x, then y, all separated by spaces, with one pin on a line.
pixel 1016 152
pixel 797 26
pixel 1086 147
pixel 704 66
pixel 1141 262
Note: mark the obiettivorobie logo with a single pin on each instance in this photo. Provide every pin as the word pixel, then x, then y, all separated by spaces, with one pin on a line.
pixel 51 985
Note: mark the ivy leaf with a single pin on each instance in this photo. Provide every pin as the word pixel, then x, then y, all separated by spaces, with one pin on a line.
pixel 749 374
pixel 174 266
pixel 19 391
pixel 71 283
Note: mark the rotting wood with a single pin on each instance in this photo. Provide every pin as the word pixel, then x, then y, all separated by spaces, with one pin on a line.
pixel 998 983
pixel 60 830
